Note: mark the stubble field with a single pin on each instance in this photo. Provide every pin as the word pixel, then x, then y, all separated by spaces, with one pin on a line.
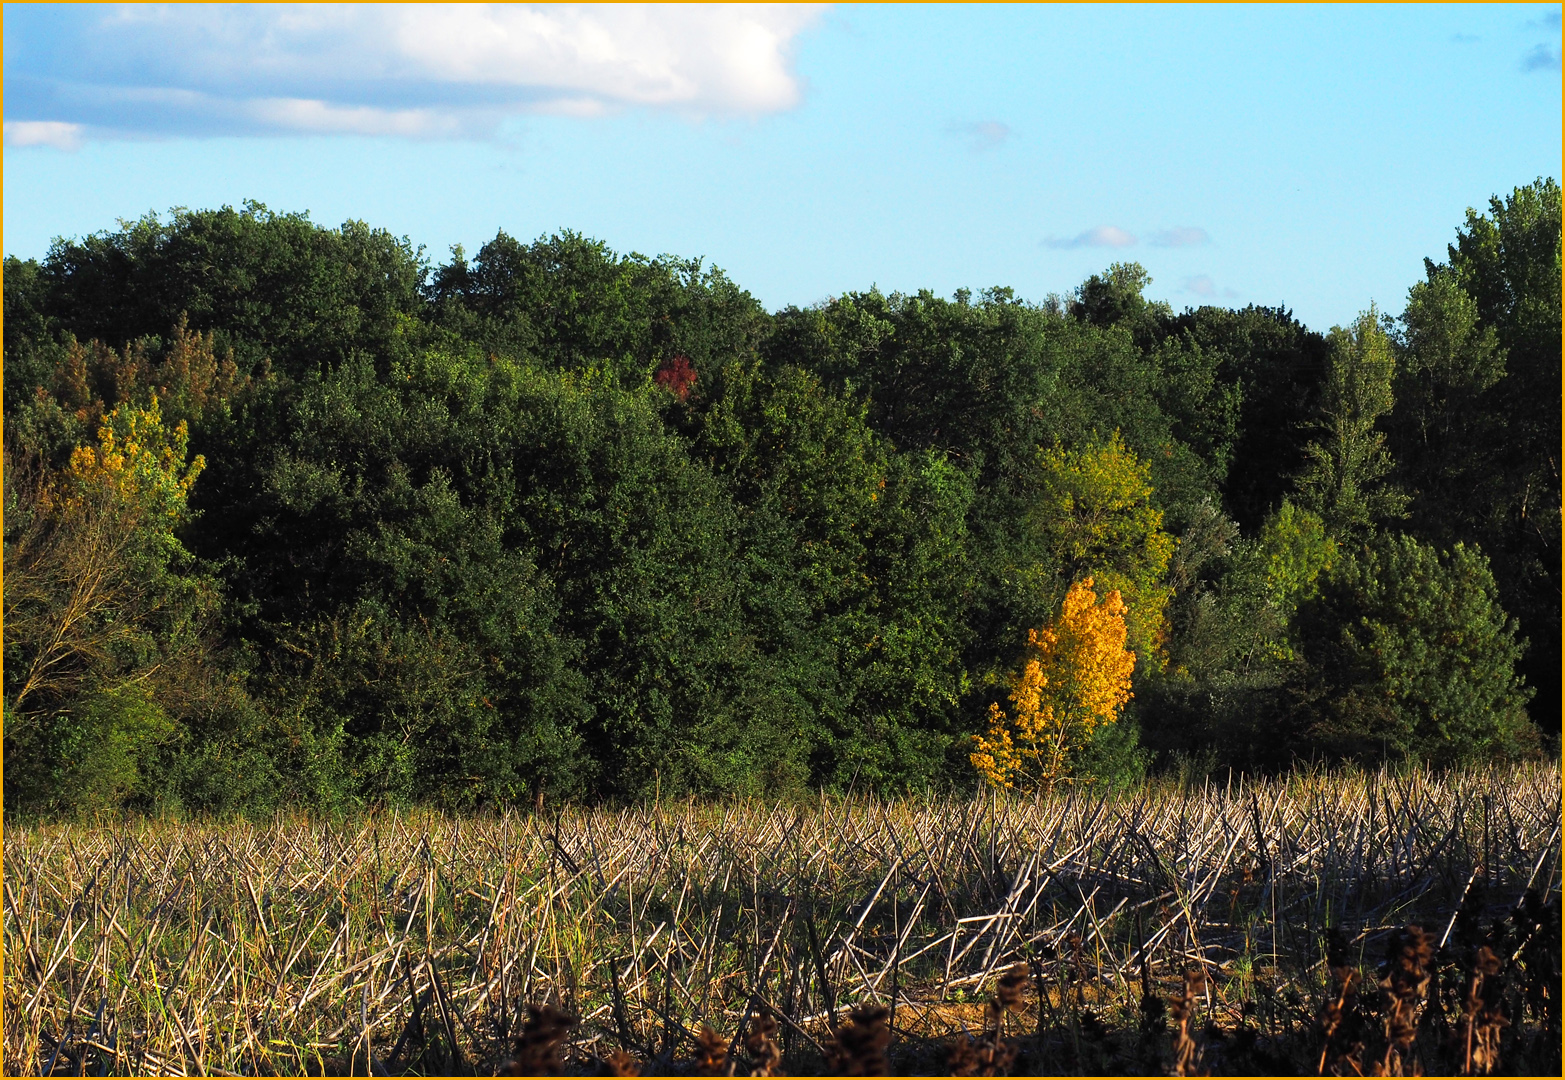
pixel 1238 927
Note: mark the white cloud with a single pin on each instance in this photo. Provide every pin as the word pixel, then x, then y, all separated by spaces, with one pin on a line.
pixel 425 70
pixel 322 118
pixel 723 58
pixel 1181 236
pixel 61 136
pixel 1102 236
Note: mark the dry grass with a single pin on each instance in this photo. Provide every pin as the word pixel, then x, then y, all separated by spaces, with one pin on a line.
pixel 426 943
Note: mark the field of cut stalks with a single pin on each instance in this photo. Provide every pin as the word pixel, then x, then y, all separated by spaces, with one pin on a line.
pixel 1178 929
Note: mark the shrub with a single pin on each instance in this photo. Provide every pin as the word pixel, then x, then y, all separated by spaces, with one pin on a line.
pixel 92 757
pixel 105 612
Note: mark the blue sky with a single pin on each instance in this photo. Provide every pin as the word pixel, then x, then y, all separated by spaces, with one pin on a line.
pixel 1307 156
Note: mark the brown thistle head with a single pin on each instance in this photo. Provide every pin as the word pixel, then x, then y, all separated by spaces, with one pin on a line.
pixel 986 1056
pixel 759 1044
pixel 962 1059
pixel 711 1054
pixel 1404 984
pixel 1407 965
pixel 860 1047
pixel 1012 985
pixel 1182 1007
pixel 1341 1021
pixel 1078 955
pixel 538 1046
pixel 1483 1016
pixel 619 1063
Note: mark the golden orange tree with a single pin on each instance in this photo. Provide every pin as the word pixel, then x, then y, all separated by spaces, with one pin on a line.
pixel 1097 515
pixel 1075 677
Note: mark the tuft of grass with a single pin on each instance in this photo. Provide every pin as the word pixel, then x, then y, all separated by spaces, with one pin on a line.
pixel 1043 933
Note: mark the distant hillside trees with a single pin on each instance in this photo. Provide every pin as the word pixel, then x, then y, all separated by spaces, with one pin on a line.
pixel 553 522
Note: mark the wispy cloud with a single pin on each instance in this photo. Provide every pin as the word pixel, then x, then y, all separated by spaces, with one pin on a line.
pixel 1541 58
pixel 1102 236
pixel 1465 39
pixel 981 135
pixel 53 133
pixel 1203 286
pixel 1181 236
pixel 1545 56
pixel 1112 236
pixel 414 70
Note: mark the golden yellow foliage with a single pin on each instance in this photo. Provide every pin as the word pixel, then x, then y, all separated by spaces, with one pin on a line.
pixel 1095 509
pixel 1076 676
pixel 86 567
pixel 140 463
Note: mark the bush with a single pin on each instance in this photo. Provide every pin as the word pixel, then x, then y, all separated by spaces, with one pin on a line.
pixel 1230 650
pixel 93 757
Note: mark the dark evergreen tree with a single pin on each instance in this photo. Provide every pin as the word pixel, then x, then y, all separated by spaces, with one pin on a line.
pixel 1407 653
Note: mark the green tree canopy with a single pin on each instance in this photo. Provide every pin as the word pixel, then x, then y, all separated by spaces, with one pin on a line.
pixel 1508 260
pixel 559 521
pixel 1238 384
pixel 1446 449
pixel 1346 480
pixel 571 304
pixel 1408 653
pixel 272 286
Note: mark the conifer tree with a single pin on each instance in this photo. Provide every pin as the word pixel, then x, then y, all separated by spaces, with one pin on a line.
pixel 1346 478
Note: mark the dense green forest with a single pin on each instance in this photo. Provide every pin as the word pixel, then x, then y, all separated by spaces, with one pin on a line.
pixel 294 515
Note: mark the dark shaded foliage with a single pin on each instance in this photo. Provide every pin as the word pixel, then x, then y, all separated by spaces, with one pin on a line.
pixel 1407 653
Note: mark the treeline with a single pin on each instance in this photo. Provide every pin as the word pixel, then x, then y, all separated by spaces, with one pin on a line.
pixel 293 515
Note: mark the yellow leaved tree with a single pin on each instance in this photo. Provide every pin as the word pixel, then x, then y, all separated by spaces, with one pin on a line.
pixel 103 614
pixel 1096 514
pixel 139 464
pixel 1076 677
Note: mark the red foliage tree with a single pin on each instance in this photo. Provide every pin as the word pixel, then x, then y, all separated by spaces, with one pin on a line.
pixel 676 375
